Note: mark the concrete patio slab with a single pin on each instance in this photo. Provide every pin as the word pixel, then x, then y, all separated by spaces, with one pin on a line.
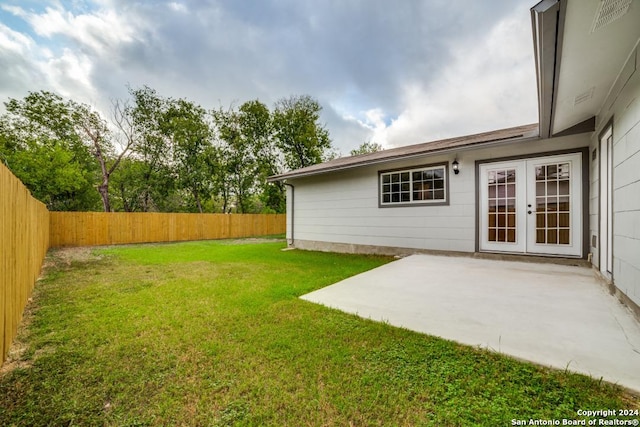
pixel 554 315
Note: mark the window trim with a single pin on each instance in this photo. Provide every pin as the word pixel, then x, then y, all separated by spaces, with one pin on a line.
pixel 410 169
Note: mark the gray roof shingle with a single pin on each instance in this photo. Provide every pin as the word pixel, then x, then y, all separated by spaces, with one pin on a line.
pixel 515 133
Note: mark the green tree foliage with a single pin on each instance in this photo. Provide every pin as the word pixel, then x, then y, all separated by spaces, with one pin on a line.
pixel 44 126
pixel 159 153
pixel 298 132
pixel 185 126
pixel 248 155
pixel 145 118
pixel 96 136
pixel 42 142
pixel 366 148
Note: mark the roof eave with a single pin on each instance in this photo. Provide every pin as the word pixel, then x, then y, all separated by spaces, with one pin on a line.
pixel 291 175
pixel 547 20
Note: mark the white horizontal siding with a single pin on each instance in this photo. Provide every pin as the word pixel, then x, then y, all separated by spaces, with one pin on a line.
pixel 342 207
pixel 626 186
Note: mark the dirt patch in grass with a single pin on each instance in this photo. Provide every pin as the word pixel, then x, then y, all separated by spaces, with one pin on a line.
pixel 16 355
pixel 253 241
pixel 14 358
pixel 66 257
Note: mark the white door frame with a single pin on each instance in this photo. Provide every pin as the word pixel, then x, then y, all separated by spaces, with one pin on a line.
pixel 524 200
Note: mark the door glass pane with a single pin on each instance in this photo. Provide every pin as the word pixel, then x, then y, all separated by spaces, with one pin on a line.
pixel 501 191
pixel 553 191
pixel 563 187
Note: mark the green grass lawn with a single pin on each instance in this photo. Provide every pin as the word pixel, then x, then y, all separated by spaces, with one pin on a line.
pixel 213 334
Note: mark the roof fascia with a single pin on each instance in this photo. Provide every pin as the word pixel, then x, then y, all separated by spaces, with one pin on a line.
pixel 499 142
pixel 547 21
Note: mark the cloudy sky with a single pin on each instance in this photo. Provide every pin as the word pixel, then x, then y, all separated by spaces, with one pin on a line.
pixel 393 72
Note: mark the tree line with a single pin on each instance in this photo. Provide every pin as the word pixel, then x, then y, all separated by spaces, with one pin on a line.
pixel 159 153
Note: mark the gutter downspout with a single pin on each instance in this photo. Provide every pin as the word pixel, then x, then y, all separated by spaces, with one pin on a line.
pixel 293 199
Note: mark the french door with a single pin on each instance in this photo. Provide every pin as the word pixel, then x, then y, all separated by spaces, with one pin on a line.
pixel 532 206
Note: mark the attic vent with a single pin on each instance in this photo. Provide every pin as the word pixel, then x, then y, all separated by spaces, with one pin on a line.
pixel 584 96
pixel 609 11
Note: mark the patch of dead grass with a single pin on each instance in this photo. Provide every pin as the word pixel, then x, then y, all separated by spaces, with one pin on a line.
pixel 65 257
pixel 19 346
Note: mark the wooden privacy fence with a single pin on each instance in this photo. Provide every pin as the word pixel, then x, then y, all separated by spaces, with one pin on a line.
pixel 24 240
pixel 112 228
pixel 28 229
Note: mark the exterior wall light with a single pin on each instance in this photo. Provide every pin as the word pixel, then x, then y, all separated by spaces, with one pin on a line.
pixel 455 166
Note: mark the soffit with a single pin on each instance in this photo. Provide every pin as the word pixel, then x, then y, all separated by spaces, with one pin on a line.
pixel 593 54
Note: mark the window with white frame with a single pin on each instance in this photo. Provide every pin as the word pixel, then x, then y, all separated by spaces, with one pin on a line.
pixel 421 185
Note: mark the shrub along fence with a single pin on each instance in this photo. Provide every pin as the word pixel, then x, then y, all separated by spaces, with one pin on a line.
pixel 112 228
pixel 28 229
pixel 24 240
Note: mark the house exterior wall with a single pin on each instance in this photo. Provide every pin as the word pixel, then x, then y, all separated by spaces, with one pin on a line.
pixel 624 114
pixel 340 211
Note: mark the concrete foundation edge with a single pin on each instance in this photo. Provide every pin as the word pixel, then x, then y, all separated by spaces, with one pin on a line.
pixel 352 248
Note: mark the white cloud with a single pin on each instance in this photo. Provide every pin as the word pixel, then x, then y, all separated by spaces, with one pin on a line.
pixel 375 119
pixel 14 10
pixel 68 51
pixel 14 41
pixel 372 120
pixel 99 30
pixel 178 7
pixel 18 54
pixel 489 84
pixel 70 74
pixel 396 76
